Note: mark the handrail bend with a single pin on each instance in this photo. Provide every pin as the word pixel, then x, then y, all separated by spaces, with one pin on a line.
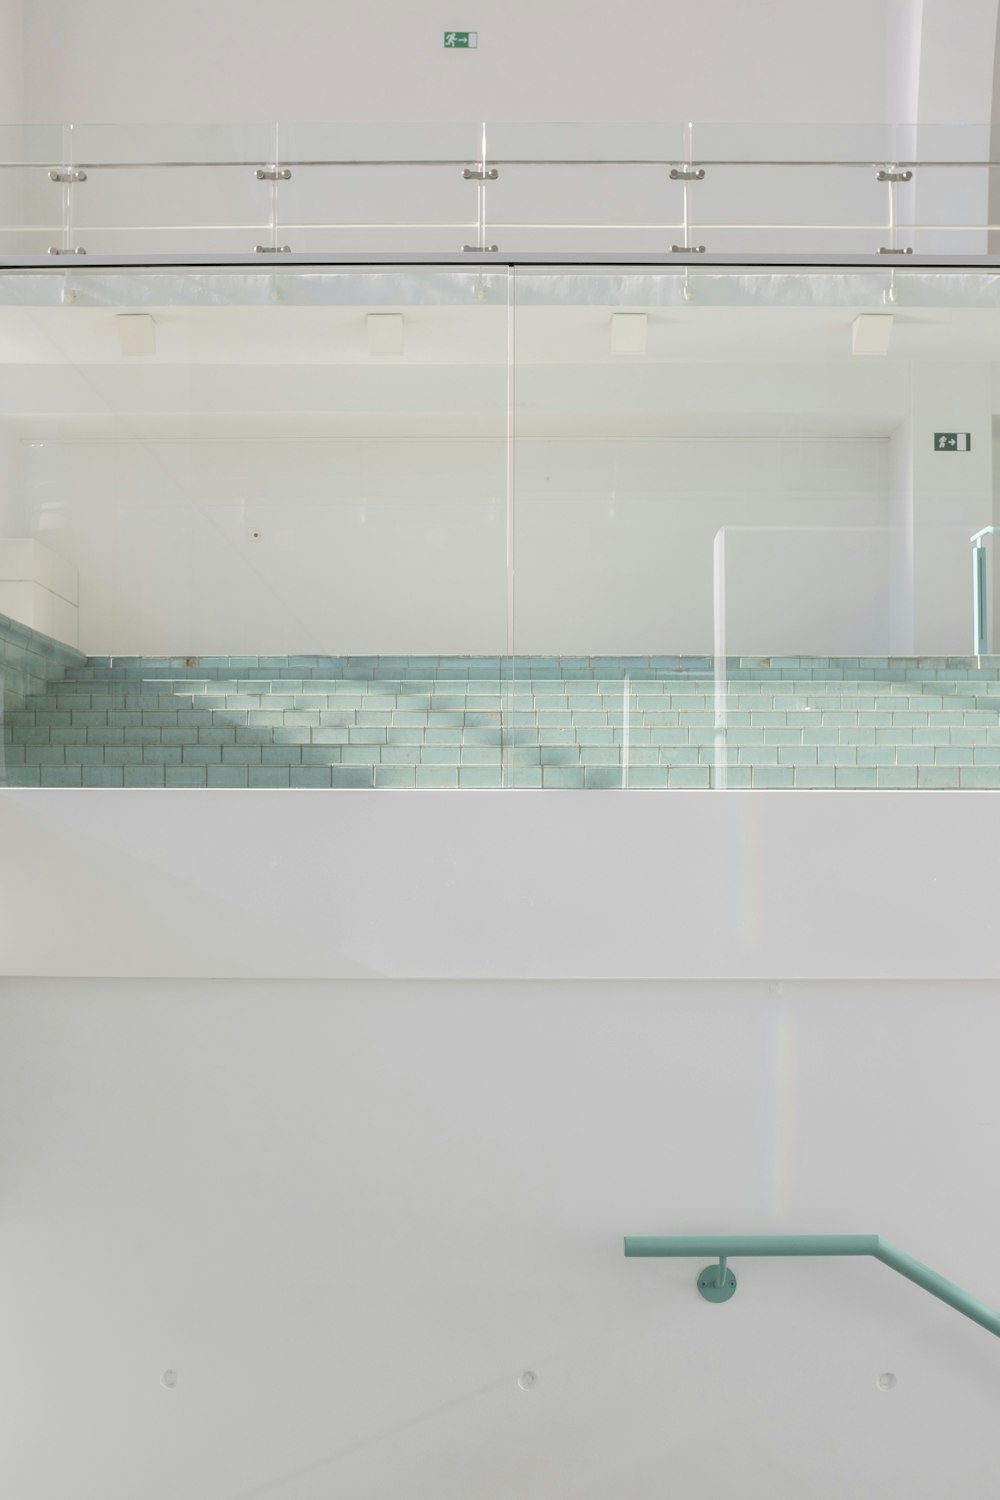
pixel 720 1286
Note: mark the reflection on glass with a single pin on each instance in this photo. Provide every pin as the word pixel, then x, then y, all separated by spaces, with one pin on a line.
pixel 557 528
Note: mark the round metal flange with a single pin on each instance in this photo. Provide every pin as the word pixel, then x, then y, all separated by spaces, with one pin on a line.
pixel 709 1285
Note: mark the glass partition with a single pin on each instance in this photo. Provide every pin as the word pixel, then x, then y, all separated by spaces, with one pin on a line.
pixel 271 511
pixel 540 527
pixel 742 522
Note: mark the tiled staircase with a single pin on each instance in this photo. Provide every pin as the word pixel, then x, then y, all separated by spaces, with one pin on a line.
pixel 647 722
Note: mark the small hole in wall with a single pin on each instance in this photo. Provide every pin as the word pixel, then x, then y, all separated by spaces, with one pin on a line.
pixel 886 1381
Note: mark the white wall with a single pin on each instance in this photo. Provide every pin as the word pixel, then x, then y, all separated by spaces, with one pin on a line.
pixel 504 884
pixel 12 100
pixel 348 1216
pixel 395 545
pixel 245 60
pixel 803 590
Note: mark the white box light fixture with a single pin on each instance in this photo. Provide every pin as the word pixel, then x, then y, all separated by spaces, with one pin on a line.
pixel 871 333
pixel 385 333
pixel 628 333
pixel 136 333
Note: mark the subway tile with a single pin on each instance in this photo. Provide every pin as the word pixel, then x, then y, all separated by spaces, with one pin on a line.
pixel 484 777
pixel 281 755
pixel 896 778
pixel 85 755
pixel 294 737
pixel 983 778
pixel 940 778
pixel 239 755
pixel 773 778
pixel 602 777
pixel 45 755
pixel 103 776
pixel 401 777
pixel 367 755
pixel 268 776
pixel 954 755
pixel 815 778
pixel 21 776
pixel 62 775
pixel 147 776
pixel 565 777
pixel 231 777
pixel 436 776
pixel 321 755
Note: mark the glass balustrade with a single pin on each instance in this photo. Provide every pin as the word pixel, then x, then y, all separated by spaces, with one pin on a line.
pixel 495 188
pixel 391 508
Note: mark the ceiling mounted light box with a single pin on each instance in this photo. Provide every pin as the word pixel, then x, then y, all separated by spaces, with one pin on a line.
pixel 136 333
pixel 871 333
pixel 385 333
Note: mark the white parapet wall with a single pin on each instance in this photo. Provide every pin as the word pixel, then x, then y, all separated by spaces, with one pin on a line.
pixel 499 884
pixel 39 589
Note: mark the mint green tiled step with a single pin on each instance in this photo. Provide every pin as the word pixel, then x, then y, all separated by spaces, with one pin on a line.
pixel 559 723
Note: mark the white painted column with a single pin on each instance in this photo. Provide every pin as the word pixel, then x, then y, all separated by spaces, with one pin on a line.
pixel 938 500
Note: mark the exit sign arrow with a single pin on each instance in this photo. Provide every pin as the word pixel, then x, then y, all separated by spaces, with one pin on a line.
pixel 952 442
pixel 461 38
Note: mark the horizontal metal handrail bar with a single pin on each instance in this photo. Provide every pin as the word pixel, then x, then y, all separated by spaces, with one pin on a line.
pixel 725 1246
pixel 650 226
pixel 507 161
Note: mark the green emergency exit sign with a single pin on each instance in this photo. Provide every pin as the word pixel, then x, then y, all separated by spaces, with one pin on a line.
pixel 952 442
pixel 461 38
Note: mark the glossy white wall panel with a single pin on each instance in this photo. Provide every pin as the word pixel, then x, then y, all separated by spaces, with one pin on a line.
pixel 348 1215
pixel 499 884
pixel 400 545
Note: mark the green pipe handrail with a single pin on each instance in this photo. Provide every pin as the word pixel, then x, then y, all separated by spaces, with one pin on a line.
pixel 717 1283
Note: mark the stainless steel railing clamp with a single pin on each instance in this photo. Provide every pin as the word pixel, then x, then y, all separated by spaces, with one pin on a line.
pixel 480 174
pixel 67 174
pixel 273 174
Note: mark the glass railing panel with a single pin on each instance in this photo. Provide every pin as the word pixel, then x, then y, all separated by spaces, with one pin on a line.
pixel 380 188
pixel 173 190
pixel 288 510
pixel 541 188
pixel 173 211
pixel 587 189
pixel 742 542
pixel 789 209
pixel 711 530
pixel 33 214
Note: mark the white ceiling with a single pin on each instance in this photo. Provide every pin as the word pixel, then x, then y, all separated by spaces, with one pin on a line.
pixel 350 1216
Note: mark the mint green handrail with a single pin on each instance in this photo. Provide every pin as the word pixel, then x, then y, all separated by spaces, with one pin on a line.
pixel 718 1287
